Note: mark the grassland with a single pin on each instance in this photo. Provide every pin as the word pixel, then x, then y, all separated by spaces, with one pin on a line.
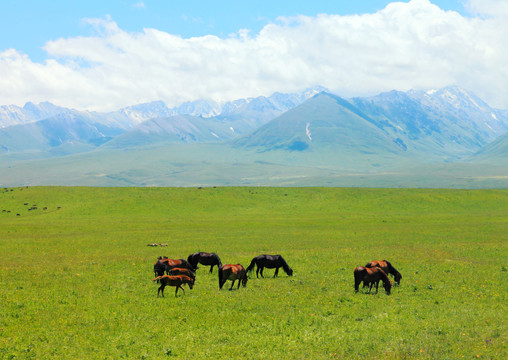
pixel 75 277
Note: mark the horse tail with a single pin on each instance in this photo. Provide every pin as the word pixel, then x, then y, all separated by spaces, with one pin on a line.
pixel 252 264
pixel 358 272
pixel 220 277
pixel 219 262
pixel 189 258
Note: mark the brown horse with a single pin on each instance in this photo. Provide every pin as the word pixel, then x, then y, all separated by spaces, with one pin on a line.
pixel 176 281
pixel 232 272
pixel 387 268
pixel 372 276
pixel 182 271
pixel 164 264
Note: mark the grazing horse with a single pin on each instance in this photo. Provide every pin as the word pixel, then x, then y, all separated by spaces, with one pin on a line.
pixel 176 281
pixel 372 276
pixel 387 268
pixel 182 271
pixel 270 262
pixel 232 272
pixel 164 264
pixel 204 258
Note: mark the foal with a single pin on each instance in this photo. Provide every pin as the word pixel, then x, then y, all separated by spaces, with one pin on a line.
pixel 182 271
pixel 176 281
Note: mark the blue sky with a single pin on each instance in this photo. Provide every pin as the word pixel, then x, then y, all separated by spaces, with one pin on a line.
pixel 102 55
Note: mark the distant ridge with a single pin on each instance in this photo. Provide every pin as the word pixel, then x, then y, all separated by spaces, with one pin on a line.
pixel 445 137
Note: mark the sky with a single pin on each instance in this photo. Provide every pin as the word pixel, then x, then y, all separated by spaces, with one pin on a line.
pixel 105 55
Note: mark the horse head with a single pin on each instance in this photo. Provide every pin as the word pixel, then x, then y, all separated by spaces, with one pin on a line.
pixel 398 276
pixel 245 278
pixel 388 286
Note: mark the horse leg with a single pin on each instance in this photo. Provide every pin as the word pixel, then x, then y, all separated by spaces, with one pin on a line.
pixel 276 272
pixel 161 289
pixel 257 271
pixel 179 287
pixel 262 268
pixel 377 285
pixel 357 284
pixel 232 283
pixel 211 269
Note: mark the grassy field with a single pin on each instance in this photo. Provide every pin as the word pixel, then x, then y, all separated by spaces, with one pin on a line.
pixel 75 273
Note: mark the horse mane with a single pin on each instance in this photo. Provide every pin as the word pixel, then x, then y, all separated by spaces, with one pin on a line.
pixel 384 277
pixel 391 269
pixel 285 265
pixel 218 258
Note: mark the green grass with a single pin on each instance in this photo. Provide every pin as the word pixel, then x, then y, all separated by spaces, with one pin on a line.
pixel 75 278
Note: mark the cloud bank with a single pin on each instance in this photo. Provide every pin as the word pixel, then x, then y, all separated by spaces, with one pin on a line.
pixel 413 45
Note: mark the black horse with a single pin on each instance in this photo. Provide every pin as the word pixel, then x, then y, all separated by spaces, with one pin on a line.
pixel 270 262
pixel 204 258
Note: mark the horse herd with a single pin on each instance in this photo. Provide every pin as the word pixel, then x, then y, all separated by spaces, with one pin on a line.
pixel 178 272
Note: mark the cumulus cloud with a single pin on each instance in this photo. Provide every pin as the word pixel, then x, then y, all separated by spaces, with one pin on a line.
pixel 413 45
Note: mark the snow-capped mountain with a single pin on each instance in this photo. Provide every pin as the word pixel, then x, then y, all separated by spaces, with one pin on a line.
pixel 15 115
pixel 462 105
pixel 449 123
pixel 260 109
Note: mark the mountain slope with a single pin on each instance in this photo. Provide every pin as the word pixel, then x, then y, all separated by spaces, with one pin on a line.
pixel 433 128
pixel 495 152
pixel 324 120
pixel 62 134
pixel 174 129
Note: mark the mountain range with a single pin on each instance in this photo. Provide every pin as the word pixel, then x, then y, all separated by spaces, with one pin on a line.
pixel 449 136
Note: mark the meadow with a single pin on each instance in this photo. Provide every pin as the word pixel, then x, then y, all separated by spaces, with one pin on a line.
pixel 76 273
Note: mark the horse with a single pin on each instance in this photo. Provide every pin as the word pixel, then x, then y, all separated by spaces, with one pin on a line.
pixel 176 281
pixel 387 268
pixel 160 266
pixel 270 262
pixel 182 271
pixel 232 272
pixel 372 276
pixel 164 264
pixel 204 258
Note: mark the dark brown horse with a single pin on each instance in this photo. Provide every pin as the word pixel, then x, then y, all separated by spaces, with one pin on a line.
pixel 387 268
pixel 270 262
pixel 204 258
pixel 232 272
pixel 164 264
pixel 182 271
pixel 176 281
pixel 372 276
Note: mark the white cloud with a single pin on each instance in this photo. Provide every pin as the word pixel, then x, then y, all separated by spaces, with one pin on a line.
pixel 404 46
pixel 139 5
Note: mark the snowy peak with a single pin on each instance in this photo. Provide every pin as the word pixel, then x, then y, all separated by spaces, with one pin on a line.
pixel 14 115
